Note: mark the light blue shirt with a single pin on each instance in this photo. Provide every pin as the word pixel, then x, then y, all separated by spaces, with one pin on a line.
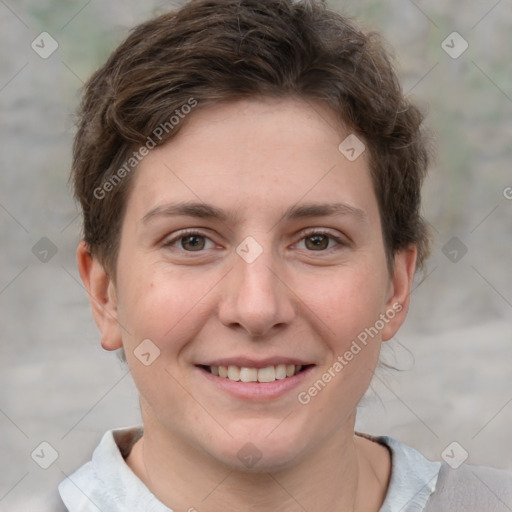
pixel 413 478
pixel 107 484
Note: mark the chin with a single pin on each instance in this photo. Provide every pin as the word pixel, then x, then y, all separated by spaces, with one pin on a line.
pixel 262 448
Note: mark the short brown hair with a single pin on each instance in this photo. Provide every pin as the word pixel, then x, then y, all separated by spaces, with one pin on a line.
pixel 213 51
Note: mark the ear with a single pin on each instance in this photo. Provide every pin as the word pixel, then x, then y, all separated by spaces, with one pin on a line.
pixel 397 304
pixel 102 295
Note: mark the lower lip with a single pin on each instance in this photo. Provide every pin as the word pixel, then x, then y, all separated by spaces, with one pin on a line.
pixel 256 390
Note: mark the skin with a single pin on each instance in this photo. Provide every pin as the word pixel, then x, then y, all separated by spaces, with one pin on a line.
pixel 254 159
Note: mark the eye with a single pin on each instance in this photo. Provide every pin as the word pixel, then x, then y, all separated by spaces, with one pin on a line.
pixel 320 241
pixel 190 241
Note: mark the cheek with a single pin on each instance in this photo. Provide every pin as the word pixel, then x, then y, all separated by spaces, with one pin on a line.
pixel 168 307
pixel 346 301
pixel 169 311
pixel 345 313
pixel 345 307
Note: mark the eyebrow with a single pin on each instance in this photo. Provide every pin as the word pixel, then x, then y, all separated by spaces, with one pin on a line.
pixel 323 210
pixel 208 211
pixel 189 209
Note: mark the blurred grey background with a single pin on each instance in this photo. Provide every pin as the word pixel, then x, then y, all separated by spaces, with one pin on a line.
pixel 57 384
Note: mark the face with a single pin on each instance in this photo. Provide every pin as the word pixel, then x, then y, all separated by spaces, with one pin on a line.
pixel 252 246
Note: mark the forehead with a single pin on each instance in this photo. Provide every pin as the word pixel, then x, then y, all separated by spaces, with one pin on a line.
pixel 255 157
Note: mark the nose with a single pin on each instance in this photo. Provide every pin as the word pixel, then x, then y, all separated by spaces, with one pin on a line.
pixel 255 297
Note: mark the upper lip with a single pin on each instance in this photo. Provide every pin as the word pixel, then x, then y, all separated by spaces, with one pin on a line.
pixel 245 362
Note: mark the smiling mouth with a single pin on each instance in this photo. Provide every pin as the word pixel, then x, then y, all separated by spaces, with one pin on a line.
pixel 262 375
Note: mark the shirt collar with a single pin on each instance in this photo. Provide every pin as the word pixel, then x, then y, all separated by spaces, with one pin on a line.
pixel 413 477
pixel 108 483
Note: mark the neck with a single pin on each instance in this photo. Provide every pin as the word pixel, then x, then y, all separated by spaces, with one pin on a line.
pixel 336 477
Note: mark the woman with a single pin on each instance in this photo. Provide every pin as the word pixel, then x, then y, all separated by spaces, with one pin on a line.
pixel 250 175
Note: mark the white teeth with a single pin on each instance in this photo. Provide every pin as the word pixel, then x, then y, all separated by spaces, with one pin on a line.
pixel 281 371
pixel 248 374
pixel 267 374
pixel 233 373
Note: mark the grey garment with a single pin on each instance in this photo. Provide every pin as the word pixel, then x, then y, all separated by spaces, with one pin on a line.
pixel 107 484
pixel 468 488
pixel 472 489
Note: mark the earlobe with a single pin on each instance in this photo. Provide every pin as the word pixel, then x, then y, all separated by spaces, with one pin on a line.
pixel 102 295
pixel 402 278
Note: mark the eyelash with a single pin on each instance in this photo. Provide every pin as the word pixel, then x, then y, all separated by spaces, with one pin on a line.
pixel 184 234
pixel 322 232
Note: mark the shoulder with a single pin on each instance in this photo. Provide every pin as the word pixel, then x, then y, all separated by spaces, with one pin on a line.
pixel 417 483
pixel 472 488
pixel 106 482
